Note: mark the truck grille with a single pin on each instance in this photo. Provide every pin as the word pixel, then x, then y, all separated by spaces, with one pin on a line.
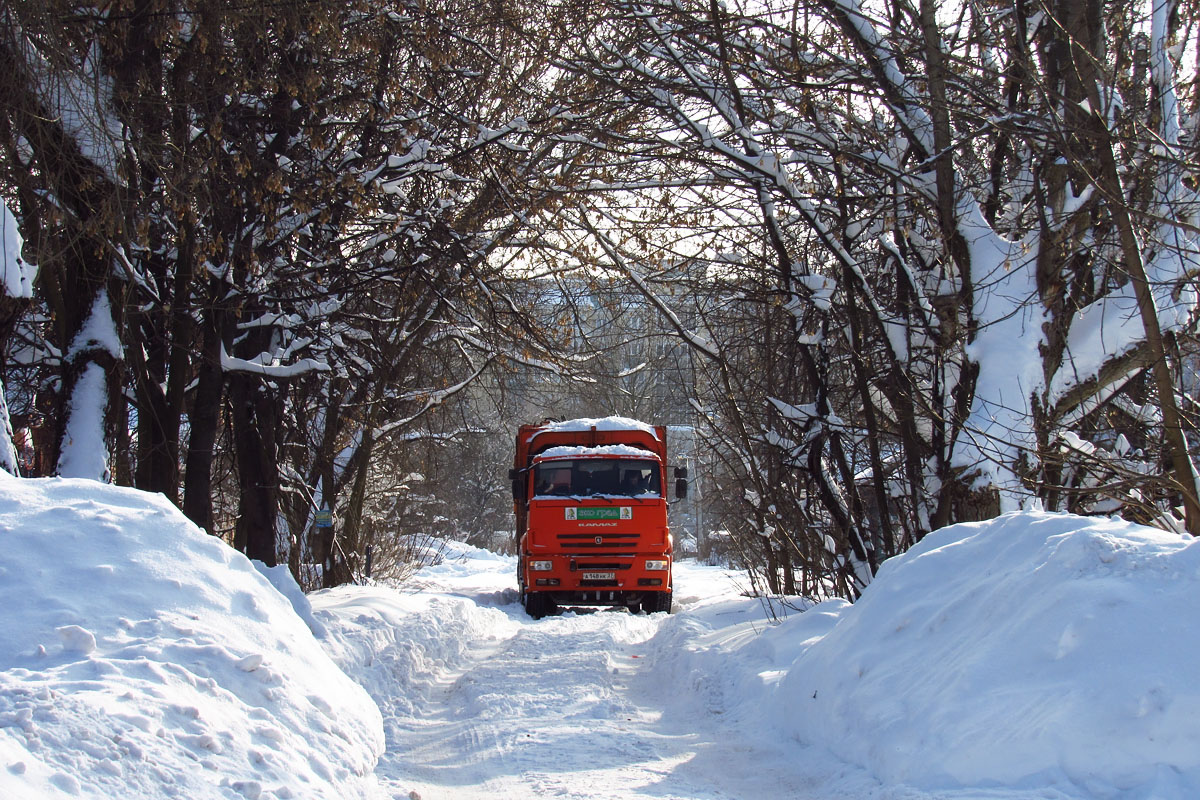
pixel 598 541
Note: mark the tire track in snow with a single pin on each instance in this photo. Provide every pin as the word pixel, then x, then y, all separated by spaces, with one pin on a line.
pixel 524 717
pixel 574 708
pixel 480 701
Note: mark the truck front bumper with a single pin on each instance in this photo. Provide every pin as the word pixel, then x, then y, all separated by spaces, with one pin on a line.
pixel 599 579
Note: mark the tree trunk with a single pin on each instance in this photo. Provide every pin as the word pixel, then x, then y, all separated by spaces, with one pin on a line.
pixel 1131 246
pixel 255 418
pixel 338 569
pixel 204 421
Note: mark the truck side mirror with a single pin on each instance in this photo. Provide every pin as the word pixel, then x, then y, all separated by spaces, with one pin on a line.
pixel 681 483
pixel 518 485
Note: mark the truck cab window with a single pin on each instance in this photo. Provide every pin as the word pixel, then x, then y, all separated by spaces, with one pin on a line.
pixel 597 477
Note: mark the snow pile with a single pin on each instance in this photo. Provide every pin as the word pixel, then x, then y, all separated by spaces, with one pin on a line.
pixel 1031 650
pixel 720 652
pixel 398 646
pixel 140 657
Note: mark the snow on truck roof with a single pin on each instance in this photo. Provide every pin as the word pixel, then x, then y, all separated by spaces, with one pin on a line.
pixel 600 424
pixel 608 450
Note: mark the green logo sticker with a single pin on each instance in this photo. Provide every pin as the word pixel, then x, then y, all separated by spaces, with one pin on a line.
pixel 607 512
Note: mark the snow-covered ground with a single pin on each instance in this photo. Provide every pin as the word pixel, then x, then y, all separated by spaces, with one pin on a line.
pixel 1035 656
pixel 141 658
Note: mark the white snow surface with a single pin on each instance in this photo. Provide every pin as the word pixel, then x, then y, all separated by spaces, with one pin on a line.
pixel 16 274
pixel 140 657
pixel 84 453
pixel 1034 656
pixel 1032 650
pixel 608 450
pixel 602 424
pixel 98 332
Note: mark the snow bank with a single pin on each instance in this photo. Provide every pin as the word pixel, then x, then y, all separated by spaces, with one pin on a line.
pixel 723 656
pixel 399 643
pixel 398 646
pixel 1031 650
pixel 463 554
pixel 140 657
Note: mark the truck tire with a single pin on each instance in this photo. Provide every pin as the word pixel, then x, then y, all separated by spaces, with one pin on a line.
pixel 538 605
pixel 654 602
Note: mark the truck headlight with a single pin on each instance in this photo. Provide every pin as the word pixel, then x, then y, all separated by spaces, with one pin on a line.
pixel 539 566
pixel 654 564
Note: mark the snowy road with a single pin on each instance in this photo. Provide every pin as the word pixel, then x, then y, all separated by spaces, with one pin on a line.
pixel 479 701
pixel 565 708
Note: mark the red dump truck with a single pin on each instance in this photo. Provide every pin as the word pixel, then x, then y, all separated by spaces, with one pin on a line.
pixel 592 515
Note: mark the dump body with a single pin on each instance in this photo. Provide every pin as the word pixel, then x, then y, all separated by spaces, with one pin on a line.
pixel 591 511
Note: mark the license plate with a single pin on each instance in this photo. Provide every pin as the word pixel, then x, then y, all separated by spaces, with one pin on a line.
pixel 599 576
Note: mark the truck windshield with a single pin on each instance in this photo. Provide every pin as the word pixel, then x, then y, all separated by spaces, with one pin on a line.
pixel 626 477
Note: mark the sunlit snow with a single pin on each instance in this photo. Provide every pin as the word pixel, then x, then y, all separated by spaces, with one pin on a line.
pixel 1034 656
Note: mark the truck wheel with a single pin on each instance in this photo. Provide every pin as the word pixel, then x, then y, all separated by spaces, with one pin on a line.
pixel 653 602
pixel 538 605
